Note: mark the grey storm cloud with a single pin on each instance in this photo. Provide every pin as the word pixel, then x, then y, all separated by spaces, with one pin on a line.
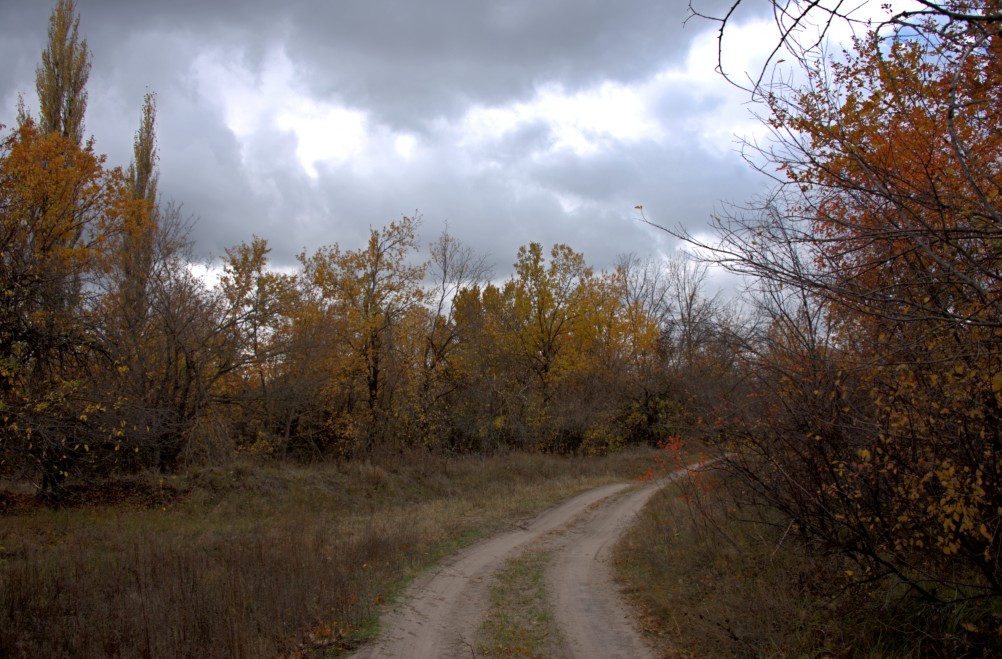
pixel 409 68
pixel 414 60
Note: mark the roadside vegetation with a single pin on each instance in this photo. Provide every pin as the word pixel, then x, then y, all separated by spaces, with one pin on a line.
pixel 860 501
pixel 258 559
pixel 712 576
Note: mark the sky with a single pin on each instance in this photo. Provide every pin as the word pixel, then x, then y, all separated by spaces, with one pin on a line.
pixel 309 122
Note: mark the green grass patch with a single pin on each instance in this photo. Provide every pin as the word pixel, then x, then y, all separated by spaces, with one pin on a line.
pixel 520 622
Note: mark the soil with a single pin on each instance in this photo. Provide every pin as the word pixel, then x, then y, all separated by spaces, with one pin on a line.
pixel 440 613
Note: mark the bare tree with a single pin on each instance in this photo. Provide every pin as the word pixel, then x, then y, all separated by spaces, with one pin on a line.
pixel 454 267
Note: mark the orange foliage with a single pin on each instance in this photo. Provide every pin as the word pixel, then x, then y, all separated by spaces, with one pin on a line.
pixel 888 390
pixel 61 212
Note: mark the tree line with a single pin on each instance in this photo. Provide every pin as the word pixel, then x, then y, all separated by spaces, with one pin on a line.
pixel 114 356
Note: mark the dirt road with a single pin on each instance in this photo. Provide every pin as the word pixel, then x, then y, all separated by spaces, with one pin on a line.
pixel 440 613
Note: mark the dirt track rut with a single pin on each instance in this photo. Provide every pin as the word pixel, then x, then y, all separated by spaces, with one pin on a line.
pixel 440 613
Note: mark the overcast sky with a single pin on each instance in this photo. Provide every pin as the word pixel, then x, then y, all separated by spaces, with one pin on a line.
pixel 306 122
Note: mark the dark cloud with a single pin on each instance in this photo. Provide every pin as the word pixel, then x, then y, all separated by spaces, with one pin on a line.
pixel 407 62
pixel 414 68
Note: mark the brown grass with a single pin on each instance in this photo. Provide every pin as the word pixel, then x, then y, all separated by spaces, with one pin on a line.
pixel 717 580
pixel 257 560
pixel 708 594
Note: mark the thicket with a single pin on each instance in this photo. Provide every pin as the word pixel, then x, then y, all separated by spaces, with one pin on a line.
pixel 872 425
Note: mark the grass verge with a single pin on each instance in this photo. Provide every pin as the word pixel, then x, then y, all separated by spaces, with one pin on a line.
pixel 258 559
pixel 710 587
pixel 519 622
pixel 715 580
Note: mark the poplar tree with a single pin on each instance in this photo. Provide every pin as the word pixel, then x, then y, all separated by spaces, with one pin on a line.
pixel 61 78
pixel 143 174
pixel 142 177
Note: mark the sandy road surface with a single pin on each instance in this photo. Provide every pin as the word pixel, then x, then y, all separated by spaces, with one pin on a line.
pixel 587 607
pixel 439 614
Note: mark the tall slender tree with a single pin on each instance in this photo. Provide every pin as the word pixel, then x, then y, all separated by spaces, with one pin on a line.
pixel 143 173
pixel 61 78
pixel 138 243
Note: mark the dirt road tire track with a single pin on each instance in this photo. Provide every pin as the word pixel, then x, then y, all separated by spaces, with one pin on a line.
pixel 592 617
pixel 438 616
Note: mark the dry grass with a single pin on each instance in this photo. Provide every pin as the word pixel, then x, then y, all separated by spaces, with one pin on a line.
pixel 714 580
pixel 257 560
pixel 715 593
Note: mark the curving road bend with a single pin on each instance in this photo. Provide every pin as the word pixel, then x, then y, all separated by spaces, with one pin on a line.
pixel 440 613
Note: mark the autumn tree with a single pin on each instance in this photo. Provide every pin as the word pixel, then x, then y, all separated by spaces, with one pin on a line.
pixel 196 351
pixel 61 78
pixel 682 365
pixel 489 406
pixel 453 268
pixel 125 308
pixel 82 242
pixel 163 340
pixel 877 428
pixel 547 305
pixel 113 349
pixel 366 294
pixel 613 342
pixel 143 177
pixel 551 357
pixel 260 306
pixel 60 210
